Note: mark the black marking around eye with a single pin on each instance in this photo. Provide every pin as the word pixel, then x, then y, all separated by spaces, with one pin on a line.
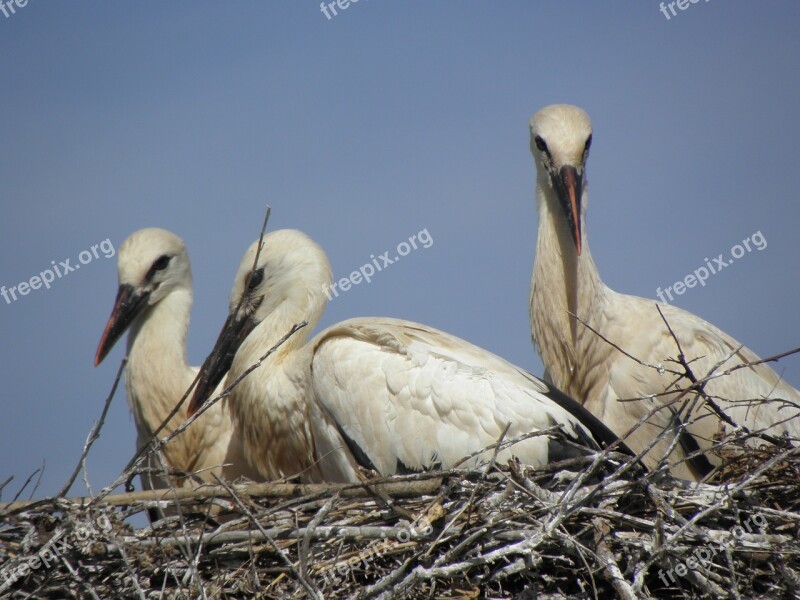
pixel 160 264
pixel 541 144
pixel 586 147
pixel 254 279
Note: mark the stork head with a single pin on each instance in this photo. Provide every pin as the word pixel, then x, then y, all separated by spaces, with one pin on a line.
pixel 152 263
pixel 288 277
pixel 560 138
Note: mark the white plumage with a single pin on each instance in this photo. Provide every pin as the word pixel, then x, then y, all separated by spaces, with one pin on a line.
pixel 379 393
pixel 153 301
pixel 566 282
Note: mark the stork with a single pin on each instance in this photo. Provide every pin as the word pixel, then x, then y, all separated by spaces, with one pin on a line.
pixel 569 303
pixel 371 393
pixel 153 302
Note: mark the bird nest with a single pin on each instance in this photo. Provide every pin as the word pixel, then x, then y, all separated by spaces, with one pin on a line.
pixel 591 528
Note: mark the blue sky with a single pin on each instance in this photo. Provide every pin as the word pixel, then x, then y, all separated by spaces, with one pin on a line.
pixel 362 130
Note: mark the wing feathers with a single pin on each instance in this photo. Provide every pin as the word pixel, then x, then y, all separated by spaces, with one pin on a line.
pixel 408 397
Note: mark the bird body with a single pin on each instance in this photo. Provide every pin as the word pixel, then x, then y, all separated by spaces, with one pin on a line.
pixel 376 393
pixel 153 303
pixel 566 284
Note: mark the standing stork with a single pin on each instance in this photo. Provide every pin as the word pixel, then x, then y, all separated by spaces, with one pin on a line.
pixel 153 301
pixel 565 284
pixel 377 393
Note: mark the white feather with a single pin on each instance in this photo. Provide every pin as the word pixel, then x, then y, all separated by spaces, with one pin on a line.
pixel 404 394
pixel 157 374
pixel 566 283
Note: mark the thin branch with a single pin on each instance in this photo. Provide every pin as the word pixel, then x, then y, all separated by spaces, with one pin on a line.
pixel 95 433
pixel 136 461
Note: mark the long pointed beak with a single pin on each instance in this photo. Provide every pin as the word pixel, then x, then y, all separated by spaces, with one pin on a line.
pixel 569 187
pixel 127 306
pixel 220 360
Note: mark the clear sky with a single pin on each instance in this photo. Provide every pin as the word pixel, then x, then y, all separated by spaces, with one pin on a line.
pixel 363 129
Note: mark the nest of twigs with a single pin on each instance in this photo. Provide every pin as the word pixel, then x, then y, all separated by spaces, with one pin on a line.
pixel 600 529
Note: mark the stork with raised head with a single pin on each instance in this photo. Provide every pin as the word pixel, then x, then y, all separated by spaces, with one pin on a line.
pixel 374 393
pixel 565 285
pixel 153 302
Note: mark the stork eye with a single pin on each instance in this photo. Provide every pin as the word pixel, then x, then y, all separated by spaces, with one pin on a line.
pixel 254 279
pixel 588 144
pixel 540 143
pixel 159 265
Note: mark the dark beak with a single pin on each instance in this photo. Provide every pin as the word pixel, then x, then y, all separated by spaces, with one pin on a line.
pixel 127 306
pixel 569 187
pixel 219 361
